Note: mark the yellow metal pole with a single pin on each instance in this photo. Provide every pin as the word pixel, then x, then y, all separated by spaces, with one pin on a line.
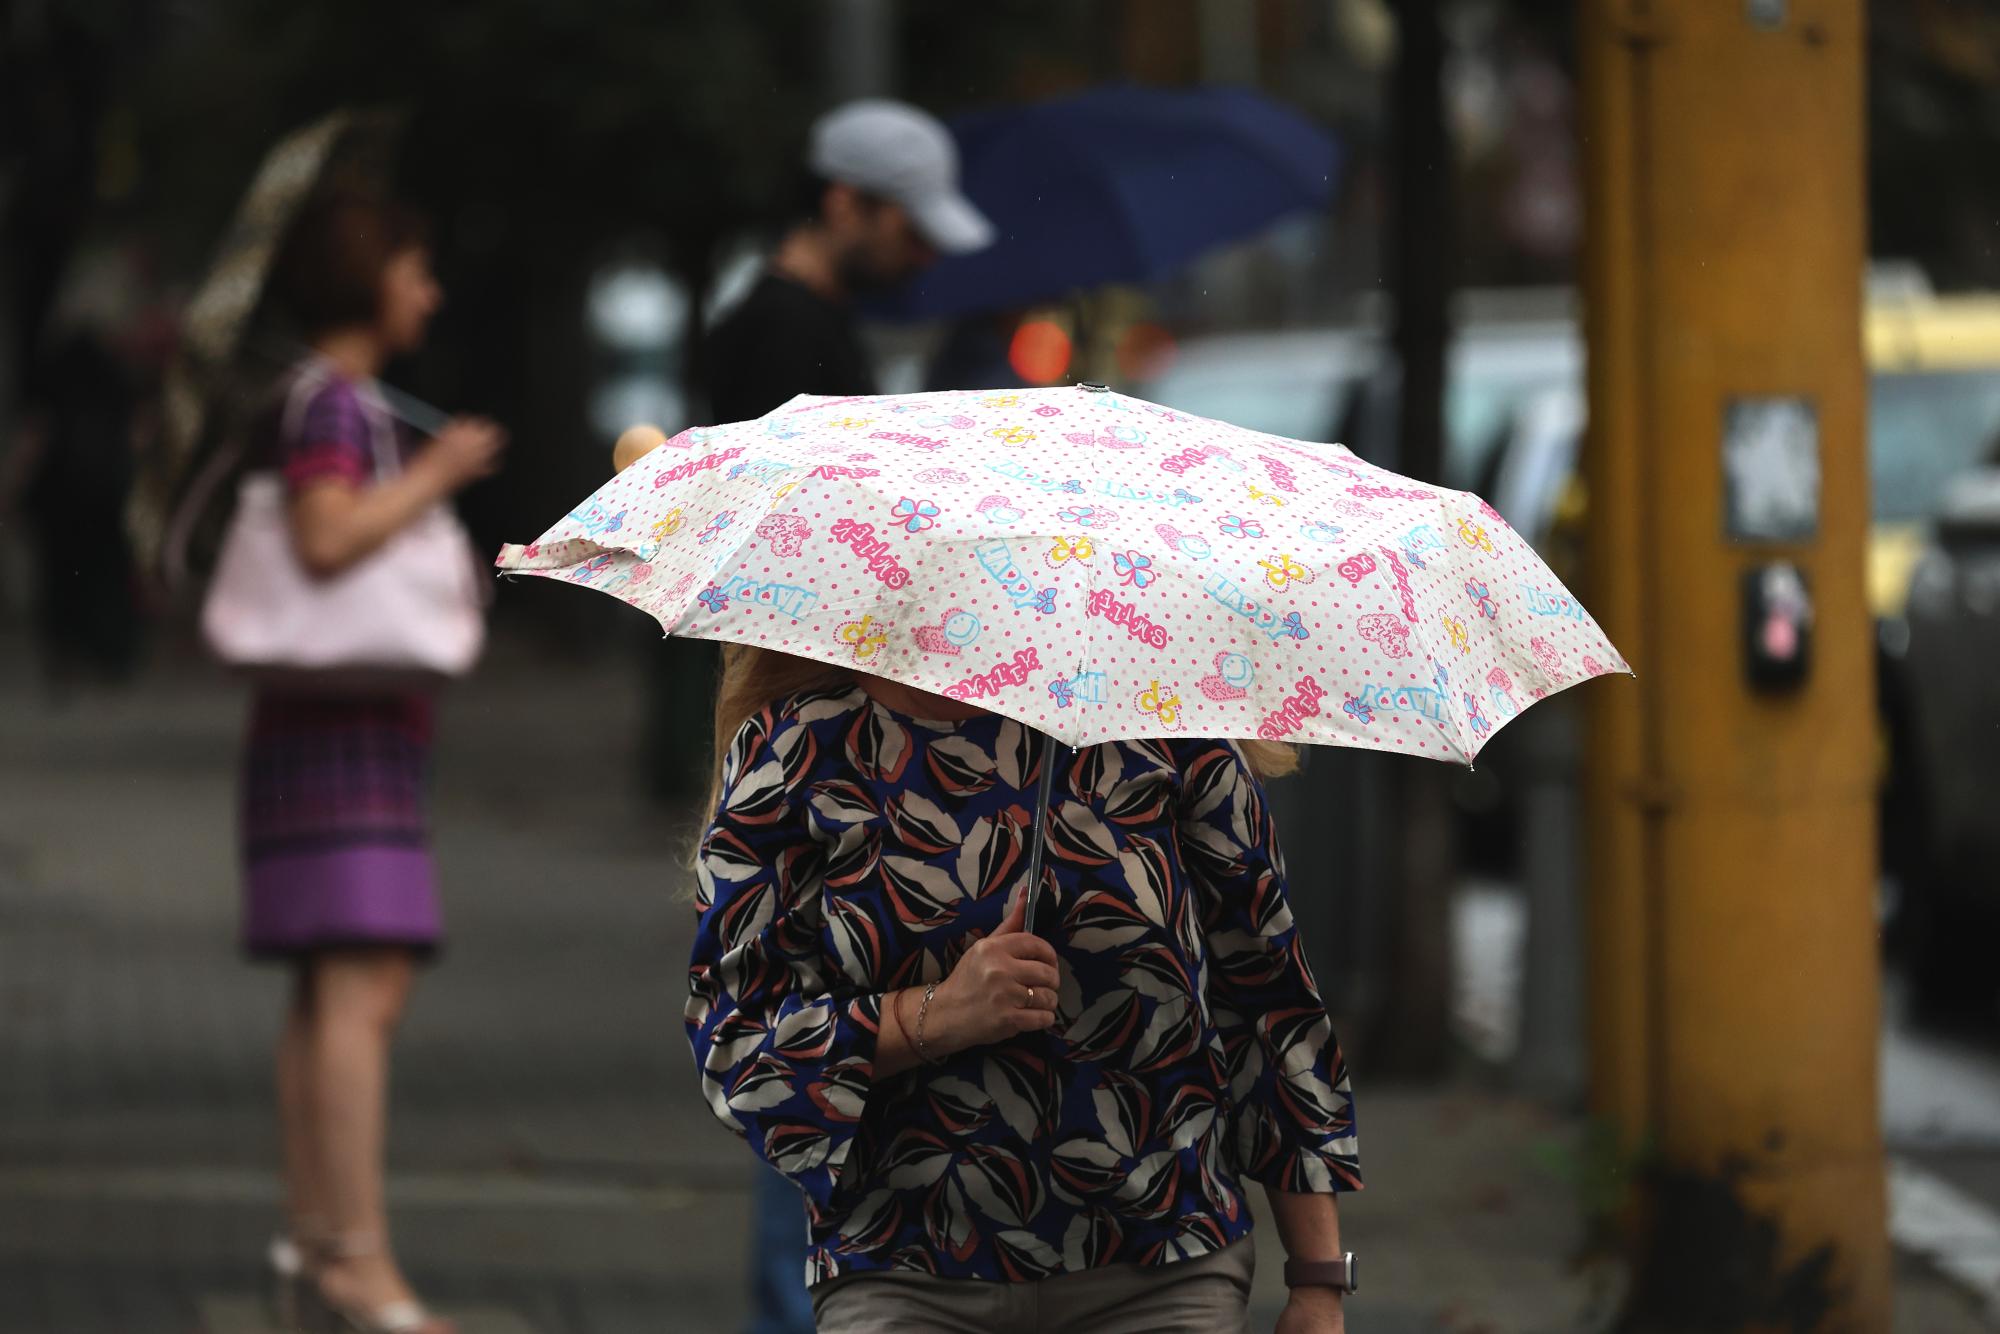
pixel 1734 981
pixel 1619 799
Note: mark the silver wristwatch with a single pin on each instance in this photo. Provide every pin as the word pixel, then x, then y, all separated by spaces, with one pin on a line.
pixel 1335 1274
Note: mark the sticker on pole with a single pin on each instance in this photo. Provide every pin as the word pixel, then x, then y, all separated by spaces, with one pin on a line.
pixel 1766 14
pixel 1770 469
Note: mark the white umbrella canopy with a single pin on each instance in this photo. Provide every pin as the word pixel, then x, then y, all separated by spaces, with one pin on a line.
pixel 1095 566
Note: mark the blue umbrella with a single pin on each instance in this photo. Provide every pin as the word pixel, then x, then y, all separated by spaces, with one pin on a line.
pixel 1119 184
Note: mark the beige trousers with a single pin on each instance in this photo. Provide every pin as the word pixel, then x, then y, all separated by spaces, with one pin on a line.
pixel 1210 1295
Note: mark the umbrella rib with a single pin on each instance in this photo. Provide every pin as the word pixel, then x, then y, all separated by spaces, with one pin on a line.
pixel 1468 745
pixel 1092 650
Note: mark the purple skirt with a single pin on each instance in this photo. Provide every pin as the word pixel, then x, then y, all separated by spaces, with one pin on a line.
pixel 336 839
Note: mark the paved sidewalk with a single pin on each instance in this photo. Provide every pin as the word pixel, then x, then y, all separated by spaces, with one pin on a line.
pixel 553 1168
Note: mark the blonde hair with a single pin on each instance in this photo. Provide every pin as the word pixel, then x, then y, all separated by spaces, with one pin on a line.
pixel 755 678
pixel 1270 759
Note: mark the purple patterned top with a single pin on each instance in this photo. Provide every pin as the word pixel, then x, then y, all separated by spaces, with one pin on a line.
pixel 856 851
pixel 335 431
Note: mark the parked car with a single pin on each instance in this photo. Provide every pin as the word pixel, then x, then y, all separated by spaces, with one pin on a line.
pixel 1940 837
pixel 1322 384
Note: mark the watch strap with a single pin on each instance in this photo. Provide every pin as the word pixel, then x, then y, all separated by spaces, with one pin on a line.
pixel 1335 1274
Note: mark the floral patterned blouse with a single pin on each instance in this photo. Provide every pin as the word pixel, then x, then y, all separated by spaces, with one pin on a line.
pixel 857 851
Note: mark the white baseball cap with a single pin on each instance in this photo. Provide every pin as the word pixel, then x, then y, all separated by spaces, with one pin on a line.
pixel 894 150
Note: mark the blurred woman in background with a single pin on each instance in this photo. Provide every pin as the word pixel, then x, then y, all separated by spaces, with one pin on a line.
pixel 338 874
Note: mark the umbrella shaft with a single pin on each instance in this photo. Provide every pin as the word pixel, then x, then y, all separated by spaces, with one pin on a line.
pixel 1040 844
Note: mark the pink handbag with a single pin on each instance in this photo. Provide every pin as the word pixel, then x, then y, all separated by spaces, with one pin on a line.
pixel 413 610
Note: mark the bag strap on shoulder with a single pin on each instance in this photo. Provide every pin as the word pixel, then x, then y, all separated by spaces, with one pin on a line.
pixel 314 376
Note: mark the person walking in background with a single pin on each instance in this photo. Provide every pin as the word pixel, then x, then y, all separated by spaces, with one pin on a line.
pixel 338 875
pixel 877 201
pixel 994 1131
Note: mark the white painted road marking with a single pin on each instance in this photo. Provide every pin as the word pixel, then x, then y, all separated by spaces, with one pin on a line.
pixel 1955 1232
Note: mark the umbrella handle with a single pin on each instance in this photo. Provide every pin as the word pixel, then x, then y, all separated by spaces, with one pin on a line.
pixel 1040 843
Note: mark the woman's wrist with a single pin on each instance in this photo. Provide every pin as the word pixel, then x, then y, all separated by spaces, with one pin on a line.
pixel 898 1023
pixel 433 476
pixel 936 1033
pixel 892 1013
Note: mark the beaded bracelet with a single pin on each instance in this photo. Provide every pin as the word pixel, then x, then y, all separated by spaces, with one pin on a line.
pixel 923 1010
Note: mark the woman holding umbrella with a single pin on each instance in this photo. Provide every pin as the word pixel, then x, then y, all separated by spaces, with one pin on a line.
pixel 969 631
pixel 338 874
pixel 998 1128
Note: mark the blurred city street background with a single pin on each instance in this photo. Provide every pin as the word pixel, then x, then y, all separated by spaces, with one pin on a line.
pixel 603 176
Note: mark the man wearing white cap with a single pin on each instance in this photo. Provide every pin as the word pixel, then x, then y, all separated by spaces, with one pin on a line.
pixel 879 203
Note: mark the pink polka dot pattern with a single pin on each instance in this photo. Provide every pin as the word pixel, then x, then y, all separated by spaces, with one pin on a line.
pixel 1108 570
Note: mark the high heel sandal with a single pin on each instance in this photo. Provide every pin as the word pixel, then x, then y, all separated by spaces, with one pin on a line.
pixel 284 1283
pixel 399 1317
